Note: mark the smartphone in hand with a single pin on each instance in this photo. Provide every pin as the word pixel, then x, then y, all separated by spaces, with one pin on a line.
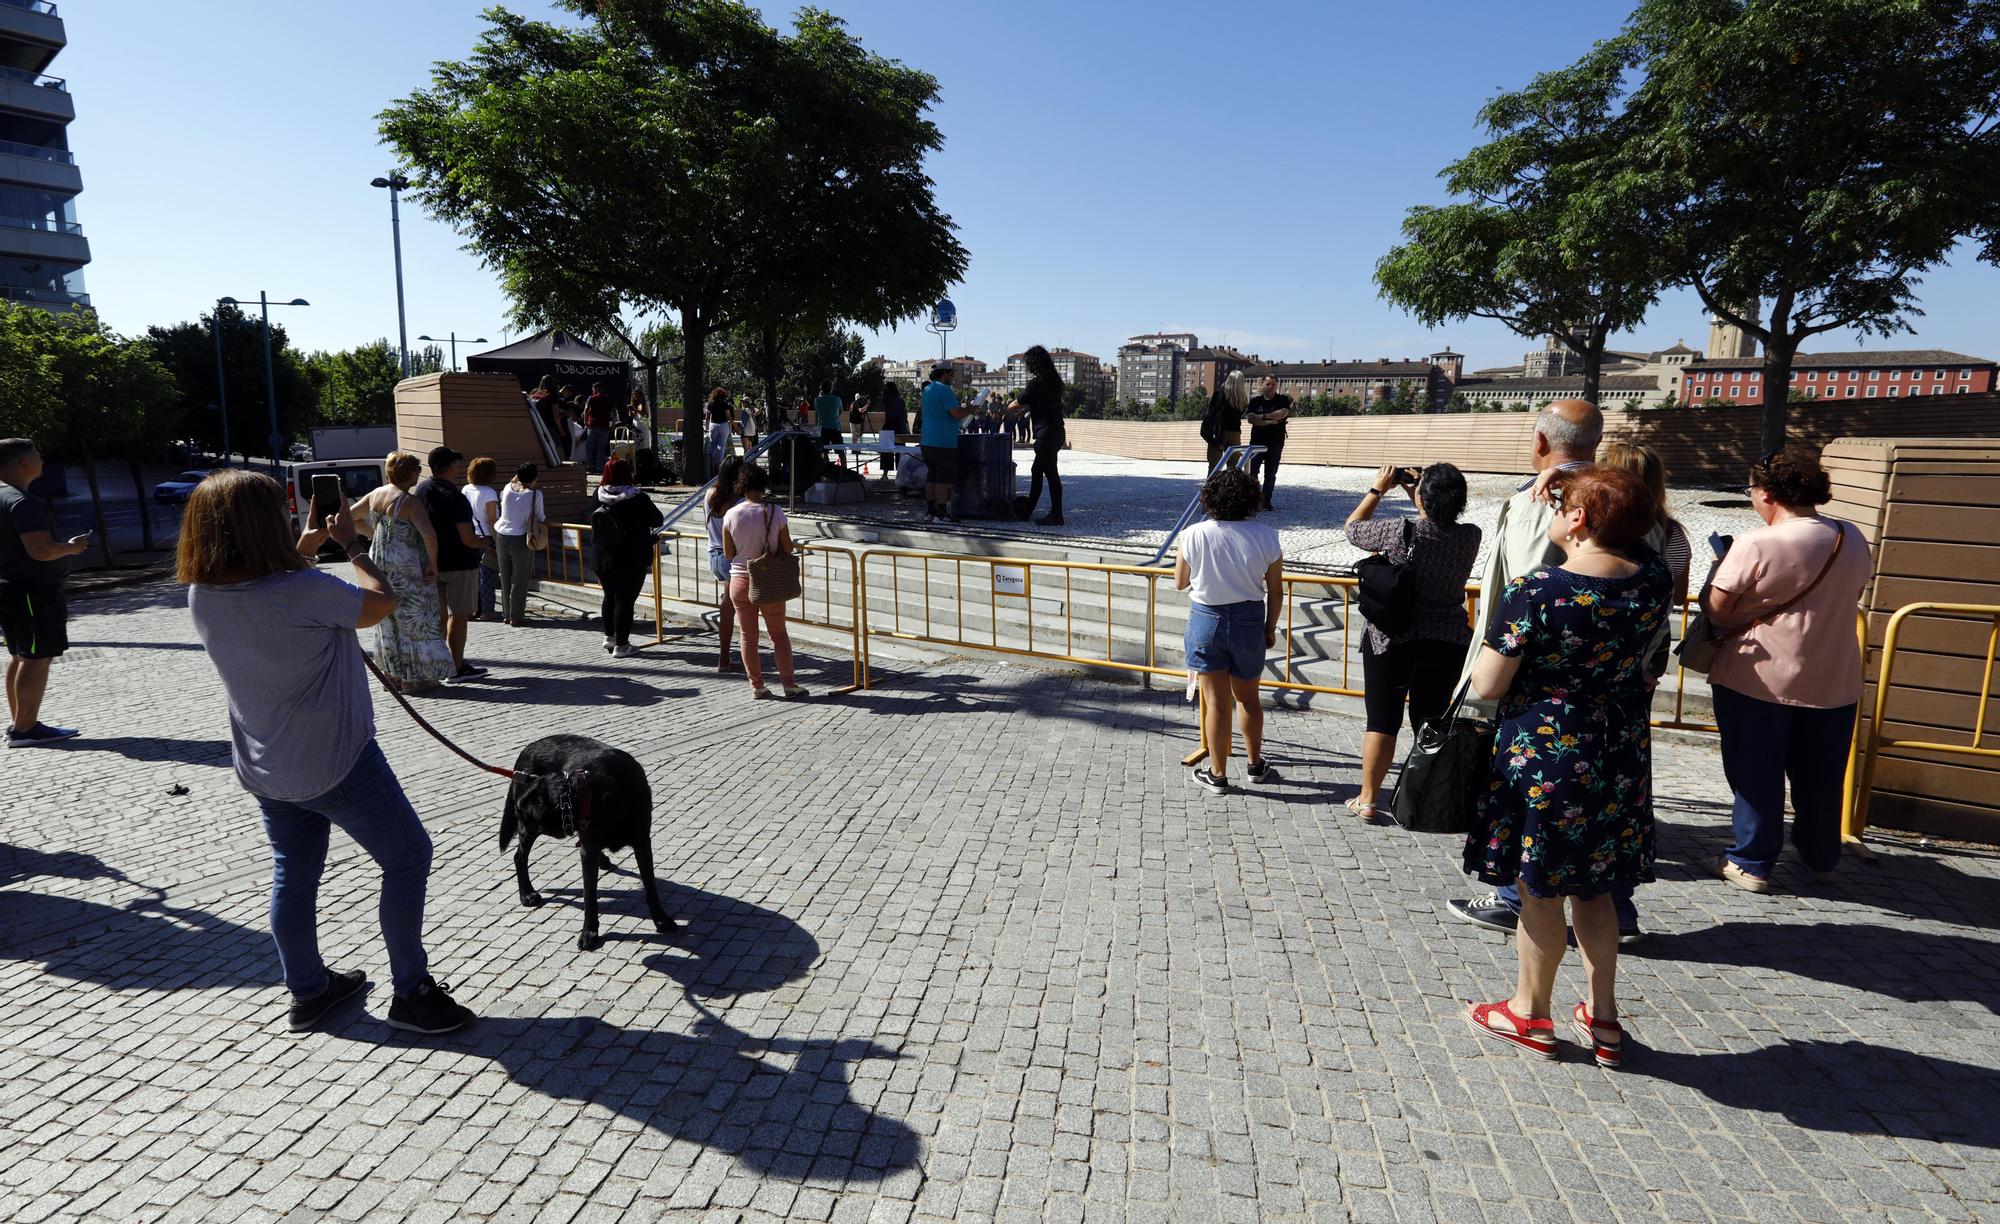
pixel 1720 543
pixel 326 498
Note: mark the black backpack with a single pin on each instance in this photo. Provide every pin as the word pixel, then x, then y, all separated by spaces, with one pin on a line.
pixel 1387 592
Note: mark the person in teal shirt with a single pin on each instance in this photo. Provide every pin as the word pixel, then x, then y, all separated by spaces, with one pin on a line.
pixel 939 421
pixel 827 409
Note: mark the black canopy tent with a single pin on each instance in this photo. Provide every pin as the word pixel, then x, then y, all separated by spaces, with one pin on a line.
pixel 559 355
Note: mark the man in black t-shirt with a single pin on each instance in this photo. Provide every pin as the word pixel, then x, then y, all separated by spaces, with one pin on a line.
pixel 33 619
pixel 1267 415
pixel 458 547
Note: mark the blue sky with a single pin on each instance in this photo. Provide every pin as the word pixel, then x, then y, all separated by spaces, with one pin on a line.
pixel 1114 167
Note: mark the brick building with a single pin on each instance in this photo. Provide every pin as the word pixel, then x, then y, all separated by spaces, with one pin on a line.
pixel 1889 374
pixel 1204 368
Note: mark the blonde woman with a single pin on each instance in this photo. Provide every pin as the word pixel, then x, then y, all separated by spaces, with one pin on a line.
pixel 1222 424
pixel 409 648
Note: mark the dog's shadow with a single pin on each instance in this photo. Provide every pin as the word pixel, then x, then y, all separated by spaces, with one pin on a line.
pixel 725 947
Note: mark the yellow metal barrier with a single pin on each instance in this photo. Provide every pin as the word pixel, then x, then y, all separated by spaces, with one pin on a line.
pixel 571 541
pixel 1857 817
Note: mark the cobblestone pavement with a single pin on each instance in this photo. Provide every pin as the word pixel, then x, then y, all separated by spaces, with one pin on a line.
pixel 1127 505
pixel 964 947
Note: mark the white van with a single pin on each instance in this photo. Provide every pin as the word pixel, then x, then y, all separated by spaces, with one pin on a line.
pixel 358 478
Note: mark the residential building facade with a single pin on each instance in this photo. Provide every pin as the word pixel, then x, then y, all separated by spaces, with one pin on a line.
pixel 1204 368
pixel 1367 382
pixel 1889 374
pixel 42 247
pixel 1150 366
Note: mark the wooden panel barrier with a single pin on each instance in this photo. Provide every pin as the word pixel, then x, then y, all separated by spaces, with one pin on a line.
pixel 485 414
pixel 1696 443
pixel 1931 507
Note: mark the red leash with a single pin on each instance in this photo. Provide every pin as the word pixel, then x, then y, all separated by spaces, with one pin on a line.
pixel 425 723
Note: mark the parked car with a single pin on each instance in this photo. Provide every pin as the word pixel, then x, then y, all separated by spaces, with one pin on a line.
pixel 177 489
pixel 299 452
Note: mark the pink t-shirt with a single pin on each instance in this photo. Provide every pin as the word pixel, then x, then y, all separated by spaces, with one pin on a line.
pixel 1806 655
pixel 747 530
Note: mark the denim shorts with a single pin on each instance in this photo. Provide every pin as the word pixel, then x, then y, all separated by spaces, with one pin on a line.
pixel 718 564
pixel 1227 638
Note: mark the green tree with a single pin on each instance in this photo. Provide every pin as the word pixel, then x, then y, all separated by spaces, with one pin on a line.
pixel 761 177
pixel 1814 156
pixel 187 350
pixel 356 386
pixel 1546 241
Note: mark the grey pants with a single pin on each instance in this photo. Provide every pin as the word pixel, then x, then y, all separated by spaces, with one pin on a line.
pixel 517 570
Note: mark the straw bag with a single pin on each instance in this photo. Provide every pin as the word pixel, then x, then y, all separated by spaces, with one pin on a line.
pixel 774 577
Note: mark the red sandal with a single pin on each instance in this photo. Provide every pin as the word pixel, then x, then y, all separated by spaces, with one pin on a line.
pixel 1610 1057
pixel 1535 1036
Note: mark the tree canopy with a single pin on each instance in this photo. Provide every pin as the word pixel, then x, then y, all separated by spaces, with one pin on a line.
pixel 187 350
pixel 77 388
pixel 681 157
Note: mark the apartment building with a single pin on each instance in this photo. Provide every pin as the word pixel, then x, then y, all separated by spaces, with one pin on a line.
pixel 42 247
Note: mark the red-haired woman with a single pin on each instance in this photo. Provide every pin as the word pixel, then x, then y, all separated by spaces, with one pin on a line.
pixel 1569 812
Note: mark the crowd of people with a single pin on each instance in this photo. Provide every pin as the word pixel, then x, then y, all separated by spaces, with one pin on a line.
pixel 1569 638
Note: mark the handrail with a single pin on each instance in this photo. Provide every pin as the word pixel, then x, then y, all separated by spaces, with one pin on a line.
pixel 1858 816
pixel 695 498
pixel 33 6
pixel 1241 455
pixel 45 153
pixel 34 78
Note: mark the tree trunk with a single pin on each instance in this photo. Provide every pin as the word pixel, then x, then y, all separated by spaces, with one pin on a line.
pixel 97 510
pixel 694 372
pixel 1779 351
pixel 1593 363
pixel 770 338
pixel 145 510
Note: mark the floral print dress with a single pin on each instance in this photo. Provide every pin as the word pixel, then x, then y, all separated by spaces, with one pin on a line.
pixel 1569 811
pixel 409 645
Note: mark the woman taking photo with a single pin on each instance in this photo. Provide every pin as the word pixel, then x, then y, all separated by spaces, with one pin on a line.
pixel 281 635
pixel 1418 663
pixel 1569 812
pixel 1042 401
pixel 714 507
pixel 409 646
pixel 1787 670
pixel 621 551
pixel 1232 570
pixel 752 528
pixel 521 514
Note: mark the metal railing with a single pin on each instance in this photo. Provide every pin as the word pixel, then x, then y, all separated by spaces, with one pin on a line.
pixel 23 77
pixel 1235 456
pixel 1864 787
pixel 33 6
pixel 45 224
pixel 568 565
pixel 37 152
pixel 43 297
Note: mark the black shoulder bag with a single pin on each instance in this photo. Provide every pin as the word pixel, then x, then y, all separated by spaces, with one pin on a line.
pixel 1387 591
pixel 1449 767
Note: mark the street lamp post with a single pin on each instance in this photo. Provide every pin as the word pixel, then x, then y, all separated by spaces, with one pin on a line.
pixel 451 338
pixel 397 183
pixel 221 384
pixel 270 377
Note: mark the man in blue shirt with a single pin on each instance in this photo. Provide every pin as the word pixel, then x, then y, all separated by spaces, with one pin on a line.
pixel 941 413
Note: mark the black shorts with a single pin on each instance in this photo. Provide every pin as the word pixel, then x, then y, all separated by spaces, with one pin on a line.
pixel 943 464
pixel 1424 672
pixel 34 619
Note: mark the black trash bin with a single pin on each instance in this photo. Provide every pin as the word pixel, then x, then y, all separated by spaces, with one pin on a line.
pixel 985 487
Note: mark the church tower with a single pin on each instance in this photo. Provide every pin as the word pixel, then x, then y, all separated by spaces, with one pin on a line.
pixel 1728 340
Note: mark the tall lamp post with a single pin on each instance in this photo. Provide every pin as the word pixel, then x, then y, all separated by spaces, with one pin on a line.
pixel 397 183
pixel 450 338
pixel 221 384
pixel 270 379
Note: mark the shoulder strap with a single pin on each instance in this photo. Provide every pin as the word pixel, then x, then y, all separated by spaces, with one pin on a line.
pixel 1839 541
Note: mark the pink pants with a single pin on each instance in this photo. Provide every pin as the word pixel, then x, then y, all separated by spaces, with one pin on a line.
pixel 746 627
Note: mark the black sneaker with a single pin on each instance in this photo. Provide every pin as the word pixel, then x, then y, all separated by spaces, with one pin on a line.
pixel 467 671
pixel 1051 520
pixel 1206 777
pixel 1488 911
pixel 39 735
pixel 1258 771
pixel 428 1009
pixel 339 988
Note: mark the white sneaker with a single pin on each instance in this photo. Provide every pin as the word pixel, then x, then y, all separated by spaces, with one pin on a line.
pixel 623 652
pixel 610 647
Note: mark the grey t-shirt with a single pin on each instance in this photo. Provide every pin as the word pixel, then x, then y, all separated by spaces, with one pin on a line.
pixel 284 644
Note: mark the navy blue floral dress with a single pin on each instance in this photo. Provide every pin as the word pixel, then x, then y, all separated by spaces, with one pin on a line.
pixel 1569 812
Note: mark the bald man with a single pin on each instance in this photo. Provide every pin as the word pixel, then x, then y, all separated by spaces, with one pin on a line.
pixel 1566 435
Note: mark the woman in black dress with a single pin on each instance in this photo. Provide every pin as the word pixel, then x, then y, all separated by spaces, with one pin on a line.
pixel 1569 811
pixel 1042 400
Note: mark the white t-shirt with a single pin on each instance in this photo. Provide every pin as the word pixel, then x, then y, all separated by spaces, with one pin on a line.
pixel 1227 560
pixel 751 535
pixel 519 509
pixel 481 496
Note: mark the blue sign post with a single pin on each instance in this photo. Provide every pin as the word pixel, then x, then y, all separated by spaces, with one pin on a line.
pixel 944 318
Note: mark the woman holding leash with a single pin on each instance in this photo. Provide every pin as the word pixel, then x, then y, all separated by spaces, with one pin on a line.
pixel 282 637
pixel 752 529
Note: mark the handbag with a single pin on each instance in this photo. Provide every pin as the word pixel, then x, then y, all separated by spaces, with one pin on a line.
pixel 538 528
pixel 774 577
pixel 1450 765
pixel 1385 591
pixel 1703 641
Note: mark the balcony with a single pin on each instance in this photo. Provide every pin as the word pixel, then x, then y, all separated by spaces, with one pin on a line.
pixel 43 169
pixel 34 29
pixel 46 299
pixel 39 238
pixel 32 93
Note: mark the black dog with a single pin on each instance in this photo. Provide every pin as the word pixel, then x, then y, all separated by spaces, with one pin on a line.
pixel 572 785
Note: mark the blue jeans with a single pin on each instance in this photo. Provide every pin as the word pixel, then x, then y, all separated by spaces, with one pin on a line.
pixel 369 807
pixel 1227 638
pixel 1621 900
pixel 596 450
pixel 1763 745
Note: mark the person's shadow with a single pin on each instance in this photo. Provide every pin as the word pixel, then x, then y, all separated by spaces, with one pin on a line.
pixel 1913 965
pixel 144 945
